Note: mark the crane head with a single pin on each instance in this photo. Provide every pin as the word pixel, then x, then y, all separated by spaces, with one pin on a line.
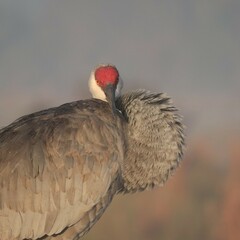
pixel 105 84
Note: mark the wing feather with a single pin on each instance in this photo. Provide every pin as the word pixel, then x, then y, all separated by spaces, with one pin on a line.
pixel 56 167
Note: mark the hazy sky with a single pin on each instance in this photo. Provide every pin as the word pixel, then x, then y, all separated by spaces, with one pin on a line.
pixel 187 48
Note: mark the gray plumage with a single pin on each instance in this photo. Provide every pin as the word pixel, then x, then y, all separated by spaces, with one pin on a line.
pixel 61 167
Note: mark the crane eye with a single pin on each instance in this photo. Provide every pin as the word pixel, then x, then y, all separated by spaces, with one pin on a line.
pixel 99 83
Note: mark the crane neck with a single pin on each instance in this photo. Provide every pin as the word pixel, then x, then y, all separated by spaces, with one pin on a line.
pixel 154 140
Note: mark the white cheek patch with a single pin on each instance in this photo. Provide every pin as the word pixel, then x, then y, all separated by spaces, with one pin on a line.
pixel 95 90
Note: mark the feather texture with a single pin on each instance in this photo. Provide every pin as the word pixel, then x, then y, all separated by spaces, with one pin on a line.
pixel 155 139
pixel 61 167
pixel 56 167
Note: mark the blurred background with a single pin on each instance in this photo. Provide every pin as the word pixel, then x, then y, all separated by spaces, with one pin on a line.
pixel 189 49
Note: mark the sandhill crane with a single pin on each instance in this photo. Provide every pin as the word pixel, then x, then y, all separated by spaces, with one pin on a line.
pixel 61 167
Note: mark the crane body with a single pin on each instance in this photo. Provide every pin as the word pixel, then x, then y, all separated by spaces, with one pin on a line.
pixel 61 167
